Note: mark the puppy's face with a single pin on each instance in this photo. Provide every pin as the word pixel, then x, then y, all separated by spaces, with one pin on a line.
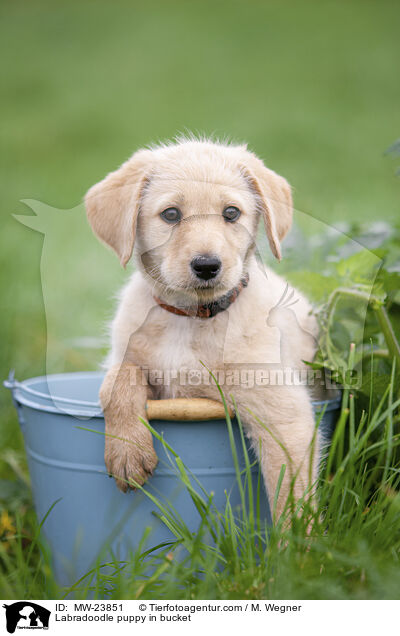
pixel 193 208
pixel 196 224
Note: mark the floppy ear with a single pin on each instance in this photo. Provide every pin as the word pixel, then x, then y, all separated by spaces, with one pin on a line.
pixel 275 199
pixel 112 206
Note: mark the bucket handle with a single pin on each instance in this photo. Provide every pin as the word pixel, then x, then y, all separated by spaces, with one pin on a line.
pixel 180 409
pixel 11 383
pixel 185 409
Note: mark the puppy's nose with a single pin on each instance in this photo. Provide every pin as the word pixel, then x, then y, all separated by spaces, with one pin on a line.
pixel 206 266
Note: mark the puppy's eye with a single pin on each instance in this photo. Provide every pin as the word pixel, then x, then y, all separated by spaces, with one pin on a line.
pixel 171 215
pixel 231 214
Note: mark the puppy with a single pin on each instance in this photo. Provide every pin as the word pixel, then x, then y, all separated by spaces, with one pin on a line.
pixel 200 299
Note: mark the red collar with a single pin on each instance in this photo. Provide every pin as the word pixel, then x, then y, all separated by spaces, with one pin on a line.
pixel 208 310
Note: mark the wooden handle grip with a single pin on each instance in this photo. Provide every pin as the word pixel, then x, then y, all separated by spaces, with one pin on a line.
pixel 186 409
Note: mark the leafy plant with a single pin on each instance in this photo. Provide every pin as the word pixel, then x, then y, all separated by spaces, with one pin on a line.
pixel 357 301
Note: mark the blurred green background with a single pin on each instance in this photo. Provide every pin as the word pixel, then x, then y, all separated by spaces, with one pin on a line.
pixel 311 86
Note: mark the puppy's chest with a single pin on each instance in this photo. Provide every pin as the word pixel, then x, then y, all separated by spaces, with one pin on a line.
pixel 177 353
pixel 185 344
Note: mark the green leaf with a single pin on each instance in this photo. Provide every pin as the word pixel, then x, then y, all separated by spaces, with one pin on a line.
pixel 361 267
pixel 315 286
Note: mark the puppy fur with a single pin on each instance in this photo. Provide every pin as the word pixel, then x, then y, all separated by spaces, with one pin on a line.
pixel 201 178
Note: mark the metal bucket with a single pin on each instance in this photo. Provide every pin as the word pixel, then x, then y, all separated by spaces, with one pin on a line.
pixel 66 466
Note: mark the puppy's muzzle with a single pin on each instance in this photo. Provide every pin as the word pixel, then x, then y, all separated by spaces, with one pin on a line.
pixel 206 267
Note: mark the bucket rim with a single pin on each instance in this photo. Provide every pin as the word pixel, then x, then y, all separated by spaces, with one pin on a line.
pixel 24 394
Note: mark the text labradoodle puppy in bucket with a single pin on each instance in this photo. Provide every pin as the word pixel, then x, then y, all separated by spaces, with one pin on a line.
pixel 200 297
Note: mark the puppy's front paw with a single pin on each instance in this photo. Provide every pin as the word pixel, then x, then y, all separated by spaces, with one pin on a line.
pixel 132 460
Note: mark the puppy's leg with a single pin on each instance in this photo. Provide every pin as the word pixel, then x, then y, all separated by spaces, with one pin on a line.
pixel 129 452
pixel 283 433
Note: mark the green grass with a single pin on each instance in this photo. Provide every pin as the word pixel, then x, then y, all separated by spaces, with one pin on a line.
pixel 311 86
pixel 350 552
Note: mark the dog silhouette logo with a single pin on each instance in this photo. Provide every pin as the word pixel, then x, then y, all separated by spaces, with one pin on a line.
pixel 26 615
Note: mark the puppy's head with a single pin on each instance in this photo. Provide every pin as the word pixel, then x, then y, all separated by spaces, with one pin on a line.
pixel 193 209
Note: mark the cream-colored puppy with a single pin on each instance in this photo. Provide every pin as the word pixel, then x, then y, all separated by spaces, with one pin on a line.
pixel 200 296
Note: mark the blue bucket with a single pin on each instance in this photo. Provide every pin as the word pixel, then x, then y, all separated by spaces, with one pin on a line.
pixel 66 466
